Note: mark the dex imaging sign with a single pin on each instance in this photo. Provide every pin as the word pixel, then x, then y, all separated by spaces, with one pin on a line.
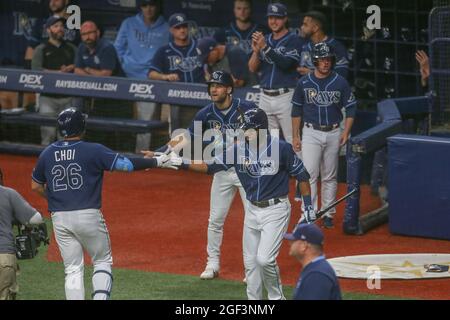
pixel 142 90
pixel 31 81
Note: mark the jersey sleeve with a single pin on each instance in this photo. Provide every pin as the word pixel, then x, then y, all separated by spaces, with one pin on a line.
pixel 109 58
pixel 237 59
pixel 79 58
pixel 298 100
pixel 38 174
pixel 293 164
pixel 199 119
pixel 287 60
pixel 348 100
pixel 157 63
pixel 23 212
pixel 106 158
pixel 342 62
pixel 315 286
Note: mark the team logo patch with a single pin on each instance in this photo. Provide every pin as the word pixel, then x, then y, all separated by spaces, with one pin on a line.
pixel 256 169
pixel 274 9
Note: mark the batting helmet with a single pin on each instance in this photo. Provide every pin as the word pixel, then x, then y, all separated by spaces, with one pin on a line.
pixel 254 118
pixel 221 77
pixel 71 122
pixel 323 50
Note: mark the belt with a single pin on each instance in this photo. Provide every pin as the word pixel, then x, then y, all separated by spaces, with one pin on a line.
pixel 275 92
pixel 322 128
pixel 267 203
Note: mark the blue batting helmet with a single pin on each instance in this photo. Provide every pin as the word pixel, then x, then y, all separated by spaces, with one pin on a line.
pixel 71 122
pixel 322 50
pixel 221 77
pixel 254 118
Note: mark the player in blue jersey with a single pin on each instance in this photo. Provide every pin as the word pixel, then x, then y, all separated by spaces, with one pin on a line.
pixel 221 114
pixel 317 103
pixel 178 61
pixel 277 56
pixel 69 174
pixel 263 164
pixel 314 28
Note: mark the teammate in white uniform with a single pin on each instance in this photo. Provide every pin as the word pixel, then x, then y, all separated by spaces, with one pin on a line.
pixel 69 174
pixel 222 115
pixel 318 100
pixel 266 182
pixel 277 56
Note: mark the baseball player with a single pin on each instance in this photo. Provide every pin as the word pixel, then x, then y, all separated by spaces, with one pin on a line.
pixel 222 114
pixel 180 60
pixel 277 56
pixel 266 182
pixel 69 174
pixel 318 100
pixel 314 29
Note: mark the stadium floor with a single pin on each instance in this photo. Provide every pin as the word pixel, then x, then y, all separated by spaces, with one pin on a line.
pixel 158 222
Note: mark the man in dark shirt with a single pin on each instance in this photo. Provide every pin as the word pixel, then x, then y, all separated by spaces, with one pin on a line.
pixel 318 280
pixel 55 55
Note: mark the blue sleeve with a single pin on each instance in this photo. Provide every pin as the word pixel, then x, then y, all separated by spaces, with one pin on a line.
pixel 315 286
pixel 106 158
pixel 37 31
pixel 108 60
pixel 199 117
pixel 298 100
pixel 348 100
pixel 38 174
pixel 79 58
pixel 293 164
pixel 342 63
pixel 157 63
pixel 238 59
pixel 121 43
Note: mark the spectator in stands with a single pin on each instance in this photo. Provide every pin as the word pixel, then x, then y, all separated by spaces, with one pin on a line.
pixel 96 56
pixel 318 280
pixel 13 207
pixel 178 61
pixel 39 34
pixel 238 34
pixel 424 62
pixel 220 57
pixel 137 41
pixel 54 55
pixel 314 28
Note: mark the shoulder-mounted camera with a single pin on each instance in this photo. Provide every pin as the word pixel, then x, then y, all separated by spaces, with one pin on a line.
pixel 29 239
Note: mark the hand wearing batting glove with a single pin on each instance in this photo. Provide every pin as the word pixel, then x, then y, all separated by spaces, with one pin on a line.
pixel 168 161
pixel 309 216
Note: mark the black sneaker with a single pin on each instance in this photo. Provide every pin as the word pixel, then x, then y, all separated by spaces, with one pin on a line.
pixel 328 222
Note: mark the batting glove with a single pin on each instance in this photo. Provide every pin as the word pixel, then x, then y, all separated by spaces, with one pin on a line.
pixel 310 214
pixel 171 161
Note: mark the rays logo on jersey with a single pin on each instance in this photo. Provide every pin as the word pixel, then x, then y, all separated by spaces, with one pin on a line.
pixel 256 169
pixel 282 51
pixel 187 64
pixel 322 98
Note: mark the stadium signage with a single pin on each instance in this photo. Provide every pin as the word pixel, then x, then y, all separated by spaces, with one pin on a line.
pixel 3 79
pixel 31 81
pixel 141 90
pixel 86 85
pixel 185 94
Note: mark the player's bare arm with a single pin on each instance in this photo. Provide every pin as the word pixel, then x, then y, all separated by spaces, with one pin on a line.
pixel 38 188
pixel 296 140
pixel 155 75
pixel 254 62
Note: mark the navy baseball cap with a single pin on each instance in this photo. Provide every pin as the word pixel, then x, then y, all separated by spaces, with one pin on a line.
pixel 52 20
pixel 306 232
pixel 178 19
pixel 150 2
pixel 276 10
pixel 206 45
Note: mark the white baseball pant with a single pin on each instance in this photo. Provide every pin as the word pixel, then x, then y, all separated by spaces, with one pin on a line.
pixel 51 106
pixel 145 111
pixel 263 235
pixel 278 110
pixel 78 230
pixel 223 189
pixel 320 155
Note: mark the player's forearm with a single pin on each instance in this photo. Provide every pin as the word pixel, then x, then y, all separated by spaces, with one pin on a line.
pixel 296 121
pixel 282 62
pixel 154 75
pixel 202 167
pixel 254 62
pixel 98 73
pixel 39 189
pixel 80 72
pixel 348 125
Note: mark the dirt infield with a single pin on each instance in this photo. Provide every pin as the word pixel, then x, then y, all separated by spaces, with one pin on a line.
pixel 158 222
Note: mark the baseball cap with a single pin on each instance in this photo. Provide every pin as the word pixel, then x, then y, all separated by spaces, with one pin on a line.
pixel 206 45
pixel 277 10
pixel 52 20
pixel 178 19
pixel 306 232
pixel 150 2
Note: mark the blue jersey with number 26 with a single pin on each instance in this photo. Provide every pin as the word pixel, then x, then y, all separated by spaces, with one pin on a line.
pixel 73 173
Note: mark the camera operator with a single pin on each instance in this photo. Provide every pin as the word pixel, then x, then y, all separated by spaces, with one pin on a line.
pixel 13 207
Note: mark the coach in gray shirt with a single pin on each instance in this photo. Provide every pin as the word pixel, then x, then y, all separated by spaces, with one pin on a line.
pixel 12 207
